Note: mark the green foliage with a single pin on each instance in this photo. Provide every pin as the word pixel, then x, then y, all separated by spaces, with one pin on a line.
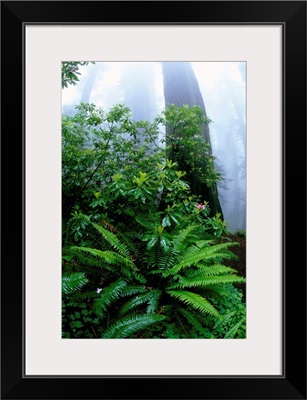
pixel 127 326
pixel 144 244
pixel 187 145
pixel 103 161
pixel 78 319
pixel 216 226
pixel 150 298
pixel 73 282
pixel 241 233
pixel 233 322
pixel 194 300
pixel 123 300
pixel 107 296
pixel 70 72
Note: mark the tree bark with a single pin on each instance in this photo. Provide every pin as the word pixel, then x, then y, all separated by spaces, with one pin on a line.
pixel 180 88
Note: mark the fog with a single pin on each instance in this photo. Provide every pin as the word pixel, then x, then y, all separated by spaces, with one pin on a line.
pixel 139 85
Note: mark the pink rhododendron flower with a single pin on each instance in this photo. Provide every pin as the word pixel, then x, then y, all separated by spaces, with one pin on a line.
pixel 201 206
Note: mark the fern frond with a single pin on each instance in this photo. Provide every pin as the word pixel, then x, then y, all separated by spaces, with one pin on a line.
pixel 127 242
pixel 107 296
pixel 215 252
pixel 156 257
pixel 109 257
pixel 134 302
pixel 193 320
pixel 151 298
pixel 153 301
pixel 218 258
pixel 219 292
pixel 232 332
pixel 112 239
pixel 144 222
pixel 87 258
pixel 127 326
pixel 224 319
pixel 194 300
pixel 205 281
pixel 156 272
pixel 113 258
pixel 73 282
pixel 193 249
pixel 203 243
pixel 130 290
pixel 209 270
pixel 180 241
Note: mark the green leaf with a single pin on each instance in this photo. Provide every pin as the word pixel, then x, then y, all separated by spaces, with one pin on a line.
pixel 193 320
pixel 73 282
pixel 232 332
pixel 166 221
pixel 112 239
pixel 194 300
pixel 107 296
pixel 204 281
pixel 127 326
pixel 151 243
pixel 207 254
pixel 150 297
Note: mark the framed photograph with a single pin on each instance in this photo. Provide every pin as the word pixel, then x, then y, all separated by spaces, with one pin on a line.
pixel 153 181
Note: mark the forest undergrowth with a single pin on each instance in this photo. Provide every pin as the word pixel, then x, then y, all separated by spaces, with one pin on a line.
pixel 144 255
pixel 146 252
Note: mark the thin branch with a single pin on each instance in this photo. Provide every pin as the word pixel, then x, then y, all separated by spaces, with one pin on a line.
pixel 98 166
pixel 94 331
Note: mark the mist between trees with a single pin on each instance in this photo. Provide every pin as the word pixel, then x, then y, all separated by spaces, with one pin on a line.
pixel 219 88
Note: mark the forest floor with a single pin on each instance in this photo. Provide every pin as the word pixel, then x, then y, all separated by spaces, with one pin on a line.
pixel 240 264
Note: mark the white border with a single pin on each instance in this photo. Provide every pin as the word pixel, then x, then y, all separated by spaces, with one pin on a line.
pixel 48 354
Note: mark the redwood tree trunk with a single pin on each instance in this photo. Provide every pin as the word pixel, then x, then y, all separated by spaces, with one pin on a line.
pixel 180 88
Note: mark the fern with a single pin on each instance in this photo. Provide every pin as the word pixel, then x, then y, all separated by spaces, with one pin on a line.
pixel 107 296
pixel 217 258
pixel 194 300
pixel 180 241
pixel 128 243
pixel 157 257
pixel 153 302
pixel 193 320
pixel 73 282
pixel 224 319
pixel 192 287
pixel 125 327
pixel 207 254
pixel 194 249
pixel 135 302
pixel 145 222
pixel 111 238
pixel 232 332
pixel 88 258
pixel 209 270
pixel 126 265
pixel 203 243
pixel 205 281
pixel 131 290
pixel 151 298
pixel 219 292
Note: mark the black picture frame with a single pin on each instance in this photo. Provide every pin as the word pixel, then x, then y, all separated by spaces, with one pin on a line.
pixel 292 16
